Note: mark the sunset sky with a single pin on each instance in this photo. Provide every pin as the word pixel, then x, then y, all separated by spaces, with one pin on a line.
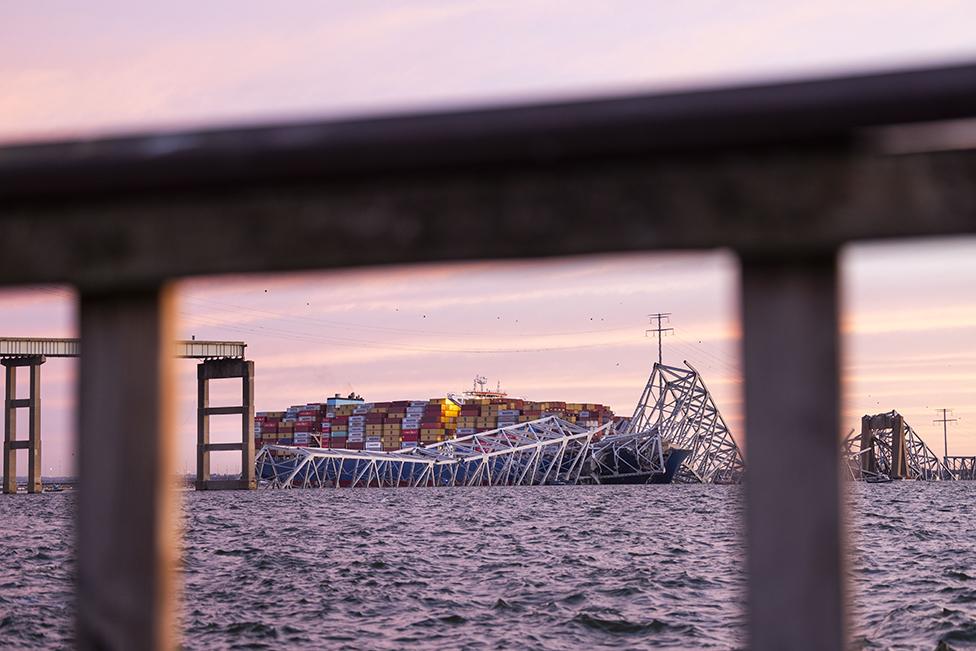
pixel 570 329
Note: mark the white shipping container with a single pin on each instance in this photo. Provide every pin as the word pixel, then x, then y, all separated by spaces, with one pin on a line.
pixel 418 403
pixel 509 412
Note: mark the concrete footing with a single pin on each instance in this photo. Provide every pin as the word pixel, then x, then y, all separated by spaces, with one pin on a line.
pixel 218 369
pixel 33 441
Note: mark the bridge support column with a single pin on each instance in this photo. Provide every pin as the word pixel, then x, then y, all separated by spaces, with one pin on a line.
pixel 33 442
pixel 217 369
pixel 869 463
pixel 899 456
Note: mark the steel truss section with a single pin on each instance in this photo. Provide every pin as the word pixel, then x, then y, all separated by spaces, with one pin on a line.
pixel 545 451
pixel 677 408
pixel 888 448
pixel 962 467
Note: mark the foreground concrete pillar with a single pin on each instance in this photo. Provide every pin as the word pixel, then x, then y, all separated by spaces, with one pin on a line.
pixel 218 369
pixel 33 441
pixel 792 395
pixel 128 580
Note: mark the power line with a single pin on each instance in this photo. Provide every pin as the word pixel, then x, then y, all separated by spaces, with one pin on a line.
pixel 725 362
pixel 361 326
pixel 365 343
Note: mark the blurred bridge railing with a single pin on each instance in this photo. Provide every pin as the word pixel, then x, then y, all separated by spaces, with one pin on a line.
pixel 783 174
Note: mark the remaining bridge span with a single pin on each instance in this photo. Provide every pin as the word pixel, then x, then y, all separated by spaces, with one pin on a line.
pixel 219 359
pixel 51 347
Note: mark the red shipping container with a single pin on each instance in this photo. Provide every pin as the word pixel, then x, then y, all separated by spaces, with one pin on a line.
pixel 340 420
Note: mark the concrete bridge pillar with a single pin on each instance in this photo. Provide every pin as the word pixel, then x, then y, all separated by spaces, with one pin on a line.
pixel 869 462
pixel 216 369
pixel 33 442
pixel 899 456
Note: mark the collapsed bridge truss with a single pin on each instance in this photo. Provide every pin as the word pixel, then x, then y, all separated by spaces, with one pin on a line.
pixel 545 451
pixel 676 421
pixel 888 448
pixel 678 409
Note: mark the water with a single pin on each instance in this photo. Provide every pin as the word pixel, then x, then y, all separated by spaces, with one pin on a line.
pixel 535 567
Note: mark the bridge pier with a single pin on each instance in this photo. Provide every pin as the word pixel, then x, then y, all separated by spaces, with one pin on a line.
pixel 33 442
pixel 216 369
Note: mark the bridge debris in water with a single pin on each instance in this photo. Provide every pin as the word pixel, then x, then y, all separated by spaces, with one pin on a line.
pixel 887 448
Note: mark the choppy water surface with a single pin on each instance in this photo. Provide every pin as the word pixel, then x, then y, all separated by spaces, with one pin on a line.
pixel 535 567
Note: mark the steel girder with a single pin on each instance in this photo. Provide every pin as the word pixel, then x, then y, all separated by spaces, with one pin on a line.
pixel 871 454
pixel 545 451
pixel 677 407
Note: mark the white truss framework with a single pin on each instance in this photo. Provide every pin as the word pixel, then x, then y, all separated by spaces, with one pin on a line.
pixel 677 408
pixel 869 454
pixel 545 451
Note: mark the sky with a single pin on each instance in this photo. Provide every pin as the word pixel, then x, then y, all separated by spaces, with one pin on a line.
pixel 567 329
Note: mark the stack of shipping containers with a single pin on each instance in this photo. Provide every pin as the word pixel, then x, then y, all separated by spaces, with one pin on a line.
pixel 347 423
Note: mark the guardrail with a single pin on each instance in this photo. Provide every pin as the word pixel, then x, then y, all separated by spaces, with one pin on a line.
pixel 783 174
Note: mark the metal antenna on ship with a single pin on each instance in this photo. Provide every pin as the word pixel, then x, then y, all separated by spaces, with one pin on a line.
pixel 661 318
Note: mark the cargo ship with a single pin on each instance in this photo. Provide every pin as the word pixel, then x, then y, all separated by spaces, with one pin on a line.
pixel 480 437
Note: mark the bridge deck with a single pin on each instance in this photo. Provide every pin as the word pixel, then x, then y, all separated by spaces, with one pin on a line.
pixel 52 347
